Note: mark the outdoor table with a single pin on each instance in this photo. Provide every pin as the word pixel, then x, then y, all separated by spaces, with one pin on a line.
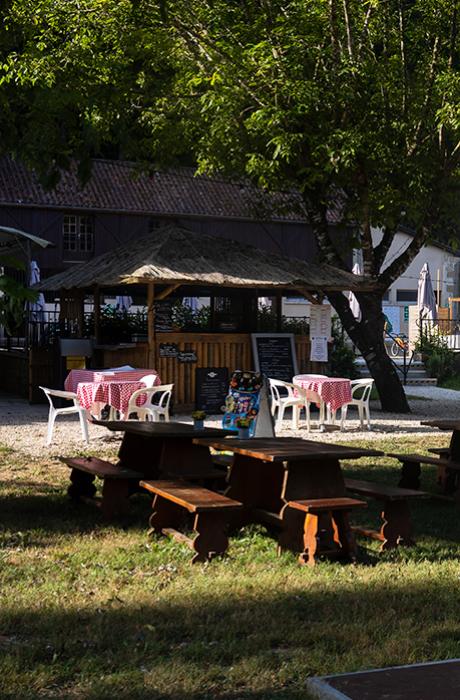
pixel 113 393
pixel 335 392
pixel 156 447
pixel 267 473
pixel 77 376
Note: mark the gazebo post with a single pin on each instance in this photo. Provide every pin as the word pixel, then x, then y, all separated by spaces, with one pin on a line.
pixel 97 313
pixel 279 309
pixel 151 324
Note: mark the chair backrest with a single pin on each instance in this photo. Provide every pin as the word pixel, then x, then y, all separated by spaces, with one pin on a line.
pixel 149 380
pixel 165 391
pixel 281 390
pixel 361 389
pixel 57 393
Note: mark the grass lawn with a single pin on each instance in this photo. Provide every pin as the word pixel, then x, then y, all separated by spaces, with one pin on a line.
pixel 90 610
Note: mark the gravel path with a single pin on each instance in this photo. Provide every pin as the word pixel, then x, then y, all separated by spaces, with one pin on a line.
pixel 23 426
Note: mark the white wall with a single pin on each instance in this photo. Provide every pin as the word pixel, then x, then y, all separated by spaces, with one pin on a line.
pixel 437 258
pixel 444 268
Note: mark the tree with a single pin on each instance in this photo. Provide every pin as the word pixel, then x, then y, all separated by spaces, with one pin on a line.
pixel 352 103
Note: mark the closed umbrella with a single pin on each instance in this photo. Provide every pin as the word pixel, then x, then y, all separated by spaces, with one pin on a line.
pixel 37 307
pixel 352 300
pixel 192 303
pixel 124 303
pixel 426 300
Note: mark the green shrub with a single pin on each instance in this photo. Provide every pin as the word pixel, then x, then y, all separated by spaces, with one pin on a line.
pixel 438 359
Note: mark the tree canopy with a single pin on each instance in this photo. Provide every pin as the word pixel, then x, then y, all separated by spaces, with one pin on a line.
pixel 353 103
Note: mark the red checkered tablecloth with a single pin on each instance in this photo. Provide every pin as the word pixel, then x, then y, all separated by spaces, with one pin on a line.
pixel 77 376
pixel 334 392
pixel 113 393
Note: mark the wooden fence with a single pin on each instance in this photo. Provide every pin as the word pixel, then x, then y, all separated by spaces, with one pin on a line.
pixel 22 372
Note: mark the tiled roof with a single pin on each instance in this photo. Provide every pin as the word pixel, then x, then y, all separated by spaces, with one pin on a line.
pixel 118 186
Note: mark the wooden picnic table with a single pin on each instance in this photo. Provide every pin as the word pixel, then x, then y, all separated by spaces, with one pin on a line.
pixel 159 449
pixel 267 473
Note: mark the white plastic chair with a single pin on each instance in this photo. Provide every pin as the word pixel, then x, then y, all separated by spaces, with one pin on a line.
pixel 285 395
pixel 149 380
pixel 74 408
pixel 149 410
pixel 360 396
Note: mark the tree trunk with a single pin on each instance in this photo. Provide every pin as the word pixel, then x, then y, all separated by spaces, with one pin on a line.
pixel 368 336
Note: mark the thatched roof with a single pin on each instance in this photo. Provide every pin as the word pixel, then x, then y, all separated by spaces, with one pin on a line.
pixel 173 255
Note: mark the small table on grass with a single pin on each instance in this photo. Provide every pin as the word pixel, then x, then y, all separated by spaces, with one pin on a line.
pixel 267 473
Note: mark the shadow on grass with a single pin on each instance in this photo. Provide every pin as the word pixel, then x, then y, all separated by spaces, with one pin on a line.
pixel 256 646
pixel 56 514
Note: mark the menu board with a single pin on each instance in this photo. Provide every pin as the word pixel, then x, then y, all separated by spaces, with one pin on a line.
pixel 163 311
pixel 320 320
pixel 211 388
pixel 274 355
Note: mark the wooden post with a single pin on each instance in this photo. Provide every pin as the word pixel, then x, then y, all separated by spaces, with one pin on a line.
pixel 97 314
pixel 279 310
pixel 151 324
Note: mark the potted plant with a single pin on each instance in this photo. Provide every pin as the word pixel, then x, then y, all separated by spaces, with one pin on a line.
pixel 243 424
pixel 198 419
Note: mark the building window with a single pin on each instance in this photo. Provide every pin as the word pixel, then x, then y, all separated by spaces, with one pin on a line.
pixel 406 295
pixel 78 234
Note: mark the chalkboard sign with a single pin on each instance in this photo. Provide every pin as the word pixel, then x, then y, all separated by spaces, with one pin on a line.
pixel 163 310
pixel 187 356
pixel 274 355
pixel 211 388
pixel 169 350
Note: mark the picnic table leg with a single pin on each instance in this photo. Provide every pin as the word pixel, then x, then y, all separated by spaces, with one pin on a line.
pixel 82 485
pixel 410 475
pixel 211 539
pixel 397 525
pixel 115 497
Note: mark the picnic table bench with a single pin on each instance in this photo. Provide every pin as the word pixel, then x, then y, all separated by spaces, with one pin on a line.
pixel 326 527
pixel 396 527
pixel 447 470
pixel 210 512
pixel 118 483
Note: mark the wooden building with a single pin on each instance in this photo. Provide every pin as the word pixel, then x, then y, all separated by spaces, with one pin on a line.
pixel 166 262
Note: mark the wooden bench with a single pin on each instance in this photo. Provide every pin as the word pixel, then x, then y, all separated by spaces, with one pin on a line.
pixel 326 528
pixel 448 471
pixel 211 511
pixel 118 484
pixel 397 523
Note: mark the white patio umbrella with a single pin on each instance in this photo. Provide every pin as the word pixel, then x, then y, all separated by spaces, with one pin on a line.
pixel 426 300
pixel 37 307
pixel 352 300
pixel 123 303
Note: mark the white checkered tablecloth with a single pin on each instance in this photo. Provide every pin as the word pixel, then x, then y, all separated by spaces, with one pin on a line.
pixel 334 392
pixel 113 393
pixel 78 376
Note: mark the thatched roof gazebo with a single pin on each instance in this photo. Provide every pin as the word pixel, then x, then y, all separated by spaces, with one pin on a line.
pixel 171 257
pixel 176 256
